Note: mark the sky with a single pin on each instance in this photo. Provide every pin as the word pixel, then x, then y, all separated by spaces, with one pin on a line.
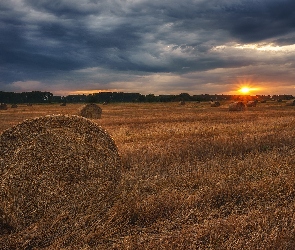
pixel 147 46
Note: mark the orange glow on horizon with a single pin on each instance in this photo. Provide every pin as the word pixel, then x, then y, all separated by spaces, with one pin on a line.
pixel 88 92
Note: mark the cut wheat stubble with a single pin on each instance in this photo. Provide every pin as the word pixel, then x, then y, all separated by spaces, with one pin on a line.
pixel 56 165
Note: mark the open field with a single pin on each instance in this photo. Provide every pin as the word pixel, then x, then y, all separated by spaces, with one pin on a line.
pixel 193 177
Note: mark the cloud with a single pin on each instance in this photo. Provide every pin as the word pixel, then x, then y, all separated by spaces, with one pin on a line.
pixel 254 21
pixel 90 43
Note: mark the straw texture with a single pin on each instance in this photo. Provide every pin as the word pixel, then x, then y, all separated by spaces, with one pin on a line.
pixel 56 166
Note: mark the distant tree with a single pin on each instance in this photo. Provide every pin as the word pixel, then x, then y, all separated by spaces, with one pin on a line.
pixel 150 98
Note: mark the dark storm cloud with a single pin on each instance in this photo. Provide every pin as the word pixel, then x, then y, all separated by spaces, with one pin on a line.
pixel 254 21
pixel 68 9
pixel 43 40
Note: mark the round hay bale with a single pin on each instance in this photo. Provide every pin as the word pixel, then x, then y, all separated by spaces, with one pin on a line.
pixel 92 111
pixel 236 106
pixel 14 106
pixel 290 102
pixel 215 104
pixel 251 103
pixel 56 165
pixel 182 103
pixel 3 106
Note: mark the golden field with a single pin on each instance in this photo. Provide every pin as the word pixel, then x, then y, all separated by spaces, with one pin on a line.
pixel 193 177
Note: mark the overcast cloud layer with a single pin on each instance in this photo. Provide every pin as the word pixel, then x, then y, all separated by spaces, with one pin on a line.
pixel 147 46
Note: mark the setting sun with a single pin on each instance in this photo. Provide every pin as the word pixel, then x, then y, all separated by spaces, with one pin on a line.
pixel 245 90
pixel 246 86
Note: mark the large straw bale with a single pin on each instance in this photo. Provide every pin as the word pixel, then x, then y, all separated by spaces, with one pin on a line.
pixel 236 106
pixel 290 102
pixel 59 167
pixel 91 110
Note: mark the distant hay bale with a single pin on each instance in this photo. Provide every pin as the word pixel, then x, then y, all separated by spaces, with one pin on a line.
pixel 92 111
pixel 251 103
pixel 236 106
pixel 14 106
pixel 290 103
pixel 63 104
pixel 3 106
pixel 54 166
pixel 182 103
pixel 215 104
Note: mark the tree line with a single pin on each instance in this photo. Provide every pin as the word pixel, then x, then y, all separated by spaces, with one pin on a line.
pixel 109 97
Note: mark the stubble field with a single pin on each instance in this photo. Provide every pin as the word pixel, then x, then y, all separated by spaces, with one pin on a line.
pixel 193 177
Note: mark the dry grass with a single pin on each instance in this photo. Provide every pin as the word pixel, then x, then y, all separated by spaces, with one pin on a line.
pixel 193 178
